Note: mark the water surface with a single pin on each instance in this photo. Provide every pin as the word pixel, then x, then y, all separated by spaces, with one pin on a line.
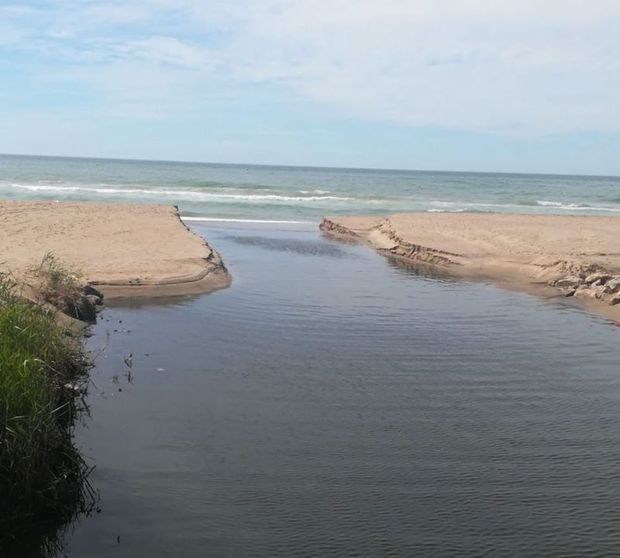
pixel 271 193
pixel 334 403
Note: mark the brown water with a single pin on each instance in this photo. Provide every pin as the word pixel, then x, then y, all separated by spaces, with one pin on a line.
pixel 332 403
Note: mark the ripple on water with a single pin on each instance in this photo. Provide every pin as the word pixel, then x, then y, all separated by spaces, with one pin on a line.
pixel 336 405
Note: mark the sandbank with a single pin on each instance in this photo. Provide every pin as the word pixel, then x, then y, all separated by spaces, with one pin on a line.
pixel 125 250
pixel 571 256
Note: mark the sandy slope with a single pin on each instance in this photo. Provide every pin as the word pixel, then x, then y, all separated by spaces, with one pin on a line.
pixel 125 249
pixel 562 251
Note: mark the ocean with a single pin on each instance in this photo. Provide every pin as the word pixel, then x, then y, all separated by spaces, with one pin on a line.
pixel 300 194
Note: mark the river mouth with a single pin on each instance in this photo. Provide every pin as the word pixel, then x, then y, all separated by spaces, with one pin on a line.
pixel 330 404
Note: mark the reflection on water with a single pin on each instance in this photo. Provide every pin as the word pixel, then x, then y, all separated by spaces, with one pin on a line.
pixel 330 406
pixel 174 301
pixel 298 246
pixel 69 493
pixel 421 269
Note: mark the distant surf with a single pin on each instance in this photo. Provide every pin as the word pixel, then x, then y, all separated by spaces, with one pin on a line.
pixel 575 206
pixel 222 195
pixel 279 195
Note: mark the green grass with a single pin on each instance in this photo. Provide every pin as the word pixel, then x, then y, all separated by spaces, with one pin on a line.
pixel 58 285
pixel 41 473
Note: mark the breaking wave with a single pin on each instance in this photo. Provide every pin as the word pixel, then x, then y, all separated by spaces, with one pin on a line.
pixel 222 195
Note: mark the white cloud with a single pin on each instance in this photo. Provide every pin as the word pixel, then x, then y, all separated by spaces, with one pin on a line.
pixel 165 50
pixel 115 13
pixel 513 67
pixel 517 67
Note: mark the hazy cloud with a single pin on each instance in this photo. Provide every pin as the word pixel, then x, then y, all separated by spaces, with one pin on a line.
pixel 516 67
pixel 512 67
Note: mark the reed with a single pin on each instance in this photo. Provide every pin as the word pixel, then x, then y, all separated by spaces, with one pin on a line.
pixel 57 284
pixel 42 366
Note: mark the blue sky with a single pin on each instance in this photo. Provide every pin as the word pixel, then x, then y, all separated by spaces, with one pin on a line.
pixel 527 86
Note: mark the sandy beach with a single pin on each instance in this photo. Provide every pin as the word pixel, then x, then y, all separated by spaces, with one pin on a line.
pixel 560 255
pixel 124 249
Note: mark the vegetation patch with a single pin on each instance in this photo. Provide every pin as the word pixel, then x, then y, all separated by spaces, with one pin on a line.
pixel 42 373
pixel 57 285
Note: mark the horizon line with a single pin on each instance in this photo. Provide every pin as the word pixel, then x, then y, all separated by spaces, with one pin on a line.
pixel 289 166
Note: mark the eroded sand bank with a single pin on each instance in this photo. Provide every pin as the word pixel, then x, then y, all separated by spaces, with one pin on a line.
pixel 563 255
pixel 124 249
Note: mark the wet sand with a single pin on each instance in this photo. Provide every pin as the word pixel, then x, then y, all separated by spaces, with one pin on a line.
pixel 561 255
pixel 124 249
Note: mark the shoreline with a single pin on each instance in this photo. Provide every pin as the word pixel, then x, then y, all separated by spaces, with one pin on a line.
pixel 550 256
pixel 125 250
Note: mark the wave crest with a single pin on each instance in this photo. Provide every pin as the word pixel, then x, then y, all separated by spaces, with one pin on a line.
pixel 194 195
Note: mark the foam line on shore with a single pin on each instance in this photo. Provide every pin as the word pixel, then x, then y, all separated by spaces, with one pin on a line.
pixel 183 193
pixel 254 221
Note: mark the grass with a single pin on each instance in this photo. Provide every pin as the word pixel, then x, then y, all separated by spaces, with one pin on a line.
pixel 58 285
pixel 41 473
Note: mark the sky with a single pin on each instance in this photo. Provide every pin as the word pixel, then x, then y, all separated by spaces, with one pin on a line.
pixel 480 85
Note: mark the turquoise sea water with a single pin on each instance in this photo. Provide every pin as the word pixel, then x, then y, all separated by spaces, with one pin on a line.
pixel 271 193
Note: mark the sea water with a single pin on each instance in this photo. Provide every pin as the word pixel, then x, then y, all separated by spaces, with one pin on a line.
pixel 272 193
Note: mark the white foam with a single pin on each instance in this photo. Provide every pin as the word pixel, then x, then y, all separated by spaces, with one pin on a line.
pixel 562 205
pixel 540 203
pixel 473 204
pixel 239 195
pixel 590 208
pixel 575 206
pixel 229 220
pixel 548 203
pixel 178 193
